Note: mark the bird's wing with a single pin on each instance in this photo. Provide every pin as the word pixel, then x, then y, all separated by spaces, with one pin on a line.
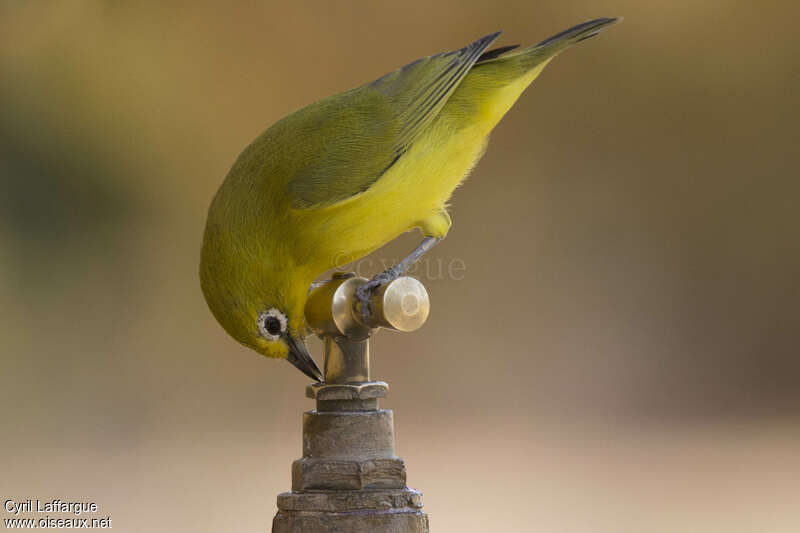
pixel 350 140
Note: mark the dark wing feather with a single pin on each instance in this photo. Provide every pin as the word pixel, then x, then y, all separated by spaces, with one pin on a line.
pixel 495 53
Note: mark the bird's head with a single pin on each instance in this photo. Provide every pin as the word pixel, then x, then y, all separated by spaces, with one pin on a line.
pixel 259 305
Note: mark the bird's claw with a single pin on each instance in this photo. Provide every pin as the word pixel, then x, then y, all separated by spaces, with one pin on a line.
pixel 364 292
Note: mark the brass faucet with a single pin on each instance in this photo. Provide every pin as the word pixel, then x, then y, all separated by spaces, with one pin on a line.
pixel 349 478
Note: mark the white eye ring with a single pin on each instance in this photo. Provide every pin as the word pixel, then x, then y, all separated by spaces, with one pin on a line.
pixel 271 313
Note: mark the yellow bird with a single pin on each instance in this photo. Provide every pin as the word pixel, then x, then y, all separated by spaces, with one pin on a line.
pixel 345 175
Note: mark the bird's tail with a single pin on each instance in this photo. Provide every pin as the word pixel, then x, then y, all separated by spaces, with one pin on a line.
pixel 528 58
pixel 501 75
pixel 575 34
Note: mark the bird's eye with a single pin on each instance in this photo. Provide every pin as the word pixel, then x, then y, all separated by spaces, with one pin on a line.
pixel 271 323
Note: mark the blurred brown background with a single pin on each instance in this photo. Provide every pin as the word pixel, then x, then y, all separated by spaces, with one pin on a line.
pixel 620 356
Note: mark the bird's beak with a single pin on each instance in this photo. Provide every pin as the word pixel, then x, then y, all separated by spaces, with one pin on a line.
pixel 299 357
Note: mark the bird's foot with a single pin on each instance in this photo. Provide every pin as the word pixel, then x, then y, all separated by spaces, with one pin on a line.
pixel 364 292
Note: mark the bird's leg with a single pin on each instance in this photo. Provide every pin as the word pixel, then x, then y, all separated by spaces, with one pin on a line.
pixel 365 291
